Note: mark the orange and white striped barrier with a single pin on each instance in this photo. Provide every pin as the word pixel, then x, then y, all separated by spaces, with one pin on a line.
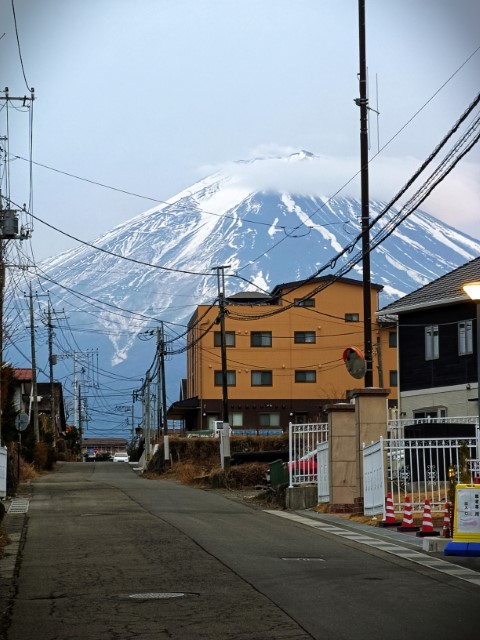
pixel 427 524
pixel 407 522
pixel 447 529
pixel 390 520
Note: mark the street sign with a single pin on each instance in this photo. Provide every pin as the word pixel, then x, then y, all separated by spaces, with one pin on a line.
pixel 21 422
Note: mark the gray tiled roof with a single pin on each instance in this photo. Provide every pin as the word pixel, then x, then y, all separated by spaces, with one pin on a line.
pixel 444 290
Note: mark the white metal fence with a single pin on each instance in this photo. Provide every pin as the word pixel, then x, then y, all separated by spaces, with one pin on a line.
pixel 323 472
pixel 373 478
pixel 3 472
pixel 302 443
pixel 418 468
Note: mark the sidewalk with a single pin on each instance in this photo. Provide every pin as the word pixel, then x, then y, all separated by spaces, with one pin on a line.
pixel 14 525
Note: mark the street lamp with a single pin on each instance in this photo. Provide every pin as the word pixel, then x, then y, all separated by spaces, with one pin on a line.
pixel 472 289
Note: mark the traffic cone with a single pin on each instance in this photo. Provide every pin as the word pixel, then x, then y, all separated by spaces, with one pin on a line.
pixel 407 523
pixel 427 524
pixel 389 514
pixel 447 531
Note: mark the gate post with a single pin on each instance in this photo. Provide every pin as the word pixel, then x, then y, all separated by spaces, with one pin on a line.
pixel 371 417
pixel 342 457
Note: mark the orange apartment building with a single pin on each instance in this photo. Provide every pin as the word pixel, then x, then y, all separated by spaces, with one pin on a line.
pixel 284 355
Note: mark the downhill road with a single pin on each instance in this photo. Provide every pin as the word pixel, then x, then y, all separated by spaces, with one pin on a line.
pixel 110 555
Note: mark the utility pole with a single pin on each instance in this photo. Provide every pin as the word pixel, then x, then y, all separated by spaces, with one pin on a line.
pixel 9 230
pixel 2 290
pixel 147 416
pixel 161 392
pixel 53 421
pixel 133 414
pixel 36 429
pixel 80 428
pixel 362 102
pixel 75 385
pixel 223 346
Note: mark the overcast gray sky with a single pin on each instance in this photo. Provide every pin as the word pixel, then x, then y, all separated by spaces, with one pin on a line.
pixel 151 95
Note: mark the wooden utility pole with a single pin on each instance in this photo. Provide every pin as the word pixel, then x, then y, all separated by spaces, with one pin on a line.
pixel 223 346
pixel 162 392
pixel 362 102
pixel 36 429
pixel 2 291
pixel 53 421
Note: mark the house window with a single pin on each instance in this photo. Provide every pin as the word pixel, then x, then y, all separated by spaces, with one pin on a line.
pixel 261 378
pixel 393 379
pixel 269 419
pixel 300 418
pixel 392 339
pixel 304 337
pixel 352 317
pixel 465 337
pixel 261 339
pixel 305 376
pixel 431 342
pixel 229 339
pixel 235 419
pixel 231 378
pixel 429 414
pixel 300 302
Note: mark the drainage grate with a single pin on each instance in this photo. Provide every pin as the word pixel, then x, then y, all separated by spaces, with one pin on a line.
pixel 155 596
pixel 19 505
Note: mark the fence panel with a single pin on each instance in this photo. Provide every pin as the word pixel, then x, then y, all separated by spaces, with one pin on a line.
pixel 323 471
pixel 419 467
pixel 303 440
pixel 373 478
pixel 3 472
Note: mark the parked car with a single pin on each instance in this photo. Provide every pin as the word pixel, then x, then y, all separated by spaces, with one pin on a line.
pixel 120 456
pixel 306 465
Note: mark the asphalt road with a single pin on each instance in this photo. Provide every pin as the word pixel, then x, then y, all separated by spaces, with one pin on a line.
pixel 110 555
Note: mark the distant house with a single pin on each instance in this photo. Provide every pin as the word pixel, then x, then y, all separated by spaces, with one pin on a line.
pixel 23 400
pixel 437 347
pixel 284 355
pixel 98 446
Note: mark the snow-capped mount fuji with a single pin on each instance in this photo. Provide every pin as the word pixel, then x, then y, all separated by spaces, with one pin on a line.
pixel 233 218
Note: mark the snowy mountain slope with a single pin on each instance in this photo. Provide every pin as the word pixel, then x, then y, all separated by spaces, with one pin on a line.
pixel 160 263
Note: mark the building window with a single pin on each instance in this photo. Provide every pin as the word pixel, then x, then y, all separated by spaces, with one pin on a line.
pixel 393 379
pixel 352 317
pixel 235 419
pixel 269 419
pixel 300 302
pixel 465 337
pixel 392 339
pixel 231 378
pixel 261 339
pixel 305 376
pixel 229 339
pixel 261 378
pixel 304 337
pixel 431 342
pixel 430 414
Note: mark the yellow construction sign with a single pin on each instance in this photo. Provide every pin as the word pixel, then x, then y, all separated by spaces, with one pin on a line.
pixel 466 523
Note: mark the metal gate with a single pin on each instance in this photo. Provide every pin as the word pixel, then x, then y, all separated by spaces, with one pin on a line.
pixel 373 478
pixel 303 440
pixel 323 471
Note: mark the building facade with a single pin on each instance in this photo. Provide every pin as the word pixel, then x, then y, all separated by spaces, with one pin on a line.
pixel 437 347
pixel 284 355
